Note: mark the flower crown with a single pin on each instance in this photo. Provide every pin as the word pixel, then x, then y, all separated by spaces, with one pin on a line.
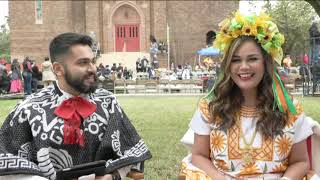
pixel 261 27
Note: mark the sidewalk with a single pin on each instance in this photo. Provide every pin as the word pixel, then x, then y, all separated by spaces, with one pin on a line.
pixel 11 96
pixel 21 95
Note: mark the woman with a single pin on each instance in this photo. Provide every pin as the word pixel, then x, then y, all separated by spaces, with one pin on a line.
pixel 16 85
pixel 27 75
pixel 36 76
pixel 248 126
pixel 4 78
pixel 153 49
pixel 47 73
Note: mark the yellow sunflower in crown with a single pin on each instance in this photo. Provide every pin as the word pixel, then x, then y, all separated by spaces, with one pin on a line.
pixel 261 21
pixel 260 26
pixel 249 29
pixel 224 25
pixel 239 18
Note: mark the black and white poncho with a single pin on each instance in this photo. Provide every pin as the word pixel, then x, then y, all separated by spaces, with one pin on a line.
pixel 31 138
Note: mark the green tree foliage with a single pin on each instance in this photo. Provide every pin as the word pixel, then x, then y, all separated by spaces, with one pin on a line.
pixel 315 5
pixel 294 19
pixel 5 40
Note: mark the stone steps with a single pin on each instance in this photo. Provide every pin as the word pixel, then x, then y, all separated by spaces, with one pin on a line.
pixel 129 59
pixel 163 60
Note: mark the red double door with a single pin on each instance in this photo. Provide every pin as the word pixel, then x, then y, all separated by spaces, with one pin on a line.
pixel 127 38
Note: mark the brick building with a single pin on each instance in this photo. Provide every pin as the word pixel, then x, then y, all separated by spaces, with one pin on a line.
pixel 118 26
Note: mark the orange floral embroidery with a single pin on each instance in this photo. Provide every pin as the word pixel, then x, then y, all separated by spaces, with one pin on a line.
pixel 280 168
pixel 249 169
pixel 193 174
pixel 217 120
pixel 299 108
pixel 204 108
pixel 292 118
pixel 246 111
pixel 221 164
pixel 217 140
pixel 264 153
pixel 283 145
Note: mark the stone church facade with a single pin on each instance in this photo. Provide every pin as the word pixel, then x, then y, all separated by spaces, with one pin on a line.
pixel 118 26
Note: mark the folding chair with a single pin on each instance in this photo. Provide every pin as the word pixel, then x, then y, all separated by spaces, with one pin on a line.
pixel 135 175
pixel 119 84
pixel 313 144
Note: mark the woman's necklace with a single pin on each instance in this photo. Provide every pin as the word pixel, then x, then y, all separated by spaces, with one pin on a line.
pixel 247 151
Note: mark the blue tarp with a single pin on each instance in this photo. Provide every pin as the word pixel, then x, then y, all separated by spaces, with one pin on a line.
pixel 210 51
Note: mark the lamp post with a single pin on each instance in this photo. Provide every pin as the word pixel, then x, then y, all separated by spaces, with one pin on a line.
pixel 168 46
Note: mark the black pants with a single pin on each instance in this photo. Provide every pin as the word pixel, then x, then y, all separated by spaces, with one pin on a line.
pixel 34 85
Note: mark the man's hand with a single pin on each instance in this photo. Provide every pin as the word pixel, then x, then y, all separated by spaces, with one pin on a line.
pixel 105 177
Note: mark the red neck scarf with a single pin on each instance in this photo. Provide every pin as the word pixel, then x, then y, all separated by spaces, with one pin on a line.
pixel 73 111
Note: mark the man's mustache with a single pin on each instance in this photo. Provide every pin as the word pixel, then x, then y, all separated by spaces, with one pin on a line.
pixel 95 77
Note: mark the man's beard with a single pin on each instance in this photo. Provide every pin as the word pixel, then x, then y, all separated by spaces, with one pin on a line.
pixel 77 83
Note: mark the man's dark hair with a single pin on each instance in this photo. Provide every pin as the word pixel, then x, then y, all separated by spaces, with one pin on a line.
pixel 153 39
pixel 210 37
pixel 62 43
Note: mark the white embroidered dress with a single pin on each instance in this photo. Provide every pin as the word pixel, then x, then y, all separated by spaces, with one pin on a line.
pixel 269 157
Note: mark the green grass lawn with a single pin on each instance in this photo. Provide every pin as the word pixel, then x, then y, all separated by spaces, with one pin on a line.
pixel 162 121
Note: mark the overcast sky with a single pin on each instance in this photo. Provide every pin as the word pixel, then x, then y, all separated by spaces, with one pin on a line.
pixel 244 7
pixel 3 10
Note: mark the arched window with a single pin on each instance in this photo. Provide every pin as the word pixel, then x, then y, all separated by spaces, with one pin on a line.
pixel 38 11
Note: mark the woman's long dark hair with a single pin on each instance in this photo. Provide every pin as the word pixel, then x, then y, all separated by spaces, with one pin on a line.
pixel 229 97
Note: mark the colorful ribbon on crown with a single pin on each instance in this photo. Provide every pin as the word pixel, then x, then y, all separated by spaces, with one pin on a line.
pixel 259 26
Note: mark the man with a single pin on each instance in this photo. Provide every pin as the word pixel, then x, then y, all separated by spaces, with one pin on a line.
pixel 108 70
pixel 120 71
pixel 138 65
pixel 287 63
pixel 314 42
pixel 36 76
pixel 144 64
pixel 186 72
pixel 114 67
pixel 305 59
pixel 70 122
pixel 4 78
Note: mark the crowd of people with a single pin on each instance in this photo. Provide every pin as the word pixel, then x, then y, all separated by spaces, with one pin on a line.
pixel 149 70
pixel 24 77
pixel 207 71
pixel 113 72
